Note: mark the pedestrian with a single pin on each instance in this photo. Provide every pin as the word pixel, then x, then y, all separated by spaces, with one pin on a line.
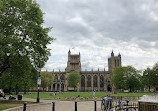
pixel 54 94
pixel 93 92
pixel 154 91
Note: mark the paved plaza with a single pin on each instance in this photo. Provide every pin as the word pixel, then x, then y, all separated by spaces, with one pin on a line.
pixel 46 105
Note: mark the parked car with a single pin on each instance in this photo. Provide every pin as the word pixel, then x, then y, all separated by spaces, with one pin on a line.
pixel 2 93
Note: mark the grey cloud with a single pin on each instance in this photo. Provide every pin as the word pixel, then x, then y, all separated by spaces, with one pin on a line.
pixel 98 26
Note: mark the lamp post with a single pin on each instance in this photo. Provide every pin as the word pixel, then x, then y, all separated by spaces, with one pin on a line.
pixel 39 83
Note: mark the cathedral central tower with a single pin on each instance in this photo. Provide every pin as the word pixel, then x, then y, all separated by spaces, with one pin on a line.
pixel 73 63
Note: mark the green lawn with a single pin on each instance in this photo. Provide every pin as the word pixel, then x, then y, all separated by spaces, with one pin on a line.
pixel 5 107
pixel 82 94
pixel 6 104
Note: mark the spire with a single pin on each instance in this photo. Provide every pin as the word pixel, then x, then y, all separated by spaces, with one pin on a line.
pixel 119 54
pixel 112 53
pixel 69 52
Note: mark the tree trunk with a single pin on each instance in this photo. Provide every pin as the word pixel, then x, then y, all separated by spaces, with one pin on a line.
pixel 74 89
pixel 25 90
pixel 16 89
pixel 130 89
pixel 43 89
pixel 149 88
pixel 10 90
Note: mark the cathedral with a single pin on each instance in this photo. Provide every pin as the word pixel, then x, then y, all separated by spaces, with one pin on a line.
pixel 90 80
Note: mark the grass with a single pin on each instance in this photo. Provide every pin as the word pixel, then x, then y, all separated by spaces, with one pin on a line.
pixel 45 95
pixel 5 107
pixel 6 104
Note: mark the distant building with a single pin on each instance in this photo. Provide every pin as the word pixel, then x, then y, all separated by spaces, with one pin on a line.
pixel 90 80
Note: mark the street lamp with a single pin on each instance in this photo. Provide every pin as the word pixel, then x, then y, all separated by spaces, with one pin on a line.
pixel 39 83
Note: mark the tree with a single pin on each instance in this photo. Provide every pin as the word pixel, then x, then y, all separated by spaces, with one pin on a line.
pixel 126 78
pixel 73 79
pixel 150 76
pixel 118 78
pixel 22 33
pixel 19 78
pixel 147 78
pixel 155 76
pixel 46 79
pixel 132 76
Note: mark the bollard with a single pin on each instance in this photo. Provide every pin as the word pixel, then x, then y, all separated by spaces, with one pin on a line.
pixel 75 105
pixel 95 105
pixel 127 104
pixel 102 104
pixel 53 106
pixel 24 108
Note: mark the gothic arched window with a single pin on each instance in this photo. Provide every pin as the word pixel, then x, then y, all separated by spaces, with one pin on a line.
pixel 82 81
pixel 95 81
pixel 89 81
pixel 62 77
pixel 56 78
pixel 101 81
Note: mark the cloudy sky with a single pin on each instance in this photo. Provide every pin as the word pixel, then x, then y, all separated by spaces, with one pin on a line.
pixel 96 27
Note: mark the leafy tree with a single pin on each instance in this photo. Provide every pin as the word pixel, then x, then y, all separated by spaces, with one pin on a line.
pixel 73 79
pixel 132 76
pixel 22 33
pixel 126 78
pixel 150 76
pixel 118 78
pixel 46 79
pixel 155 76
pixel 19 78
pixel 147 78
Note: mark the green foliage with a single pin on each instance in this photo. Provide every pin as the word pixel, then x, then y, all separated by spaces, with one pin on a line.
pixel 155 68
pixel 73 79
pixel 150 76
pixel 147 78
pixel 126 78
pixel 155 76
pixel 133 76
pixel 21 78
pixel 22 34
pixel 117 78
pixel 46 79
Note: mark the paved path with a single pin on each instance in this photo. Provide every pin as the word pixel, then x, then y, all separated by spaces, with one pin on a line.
pixel 60 106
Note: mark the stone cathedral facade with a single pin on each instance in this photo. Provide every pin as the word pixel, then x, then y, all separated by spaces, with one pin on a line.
pixel 90 80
